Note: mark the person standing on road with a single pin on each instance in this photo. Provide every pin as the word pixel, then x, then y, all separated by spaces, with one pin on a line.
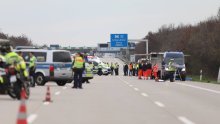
pixel 116 69
pixel 130 69
pixel 149 70
pixel 144 68
pixel 32 68
pixel 171 70
pixel 125 69
pixel 78 68
pixel 155 72
pixel 140 70
pixel 112 69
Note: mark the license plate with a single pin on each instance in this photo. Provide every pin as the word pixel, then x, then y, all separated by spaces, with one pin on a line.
pixel 13 79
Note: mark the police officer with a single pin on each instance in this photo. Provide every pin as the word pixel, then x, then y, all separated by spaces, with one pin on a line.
pixel 171 70
pixel 100 69
pixel 32 68
pixel 116 69
pixel 78 67
pixel 12 58
pixel 2 60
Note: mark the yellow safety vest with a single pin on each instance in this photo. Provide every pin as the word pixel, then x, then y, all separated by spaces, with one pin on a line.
pixel 78 62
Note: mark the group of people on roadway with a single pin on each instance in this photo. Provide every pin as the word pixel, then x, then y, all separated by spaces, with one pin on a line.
pixel 145 70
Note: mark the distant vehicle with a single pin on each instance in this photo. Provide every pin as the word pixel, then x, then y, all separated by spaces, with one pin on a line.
pixel 55 46
pixel 25 47
pixel 163 58
pixel 96 60
pixel 52 65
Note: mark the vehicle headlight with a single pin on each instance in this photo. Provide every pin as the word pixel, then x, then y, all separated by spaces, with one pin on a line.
pixel 183 69
pixel 166 68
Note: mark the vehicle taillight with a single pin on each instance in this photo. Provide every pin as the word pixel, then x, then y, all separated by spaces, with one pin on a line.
pixel 11 71
pixel 51 70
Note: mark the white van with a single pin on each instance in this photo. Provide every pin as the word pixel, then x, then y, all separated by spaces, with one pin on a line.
pixel 52 65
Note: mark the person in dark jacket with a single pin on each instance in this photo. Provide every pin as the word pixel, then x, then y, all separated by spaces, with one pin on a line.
pixel 125 69
pixel 149 69
pixel 144 68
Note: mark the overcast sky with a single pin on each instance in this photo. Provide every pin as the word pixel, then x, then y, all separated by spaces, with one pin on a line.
pixel 88 22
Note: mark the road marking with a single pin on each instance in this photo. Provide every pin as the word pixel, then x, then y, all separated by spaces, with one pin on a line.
pixel 197 87
pixel 136 89
pixel 159 104
pixel 144 94
pixel 130 85
pixel 64 88
pixel 57 93
pixel 185 120
pixel 31 118
pixel 46 103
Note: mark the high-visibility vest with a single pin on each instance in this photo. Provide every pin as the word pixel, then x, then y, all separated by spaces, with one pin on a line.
pixel 155 68
pixel 78 62
pixel 130 66
pixel 32 62
pixel 171 67
pixel 12 58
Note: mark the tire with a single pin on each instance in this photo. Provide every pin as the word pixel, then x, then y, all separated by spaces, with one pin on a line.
pixel 61 83
pixel 183 78
pixel 12 94
pixel 40 79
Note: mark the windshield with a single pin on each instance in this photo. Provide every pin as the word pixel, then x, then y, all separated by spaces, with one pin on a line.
pixel 178 58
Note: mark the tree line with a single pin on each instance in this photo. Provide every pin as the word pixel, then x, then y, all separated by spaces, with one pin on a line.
pixel 17 40
pixel 201 42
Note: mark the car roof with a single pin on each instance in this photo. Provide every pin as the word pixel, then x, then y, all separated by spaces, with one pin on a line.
pixel 40 50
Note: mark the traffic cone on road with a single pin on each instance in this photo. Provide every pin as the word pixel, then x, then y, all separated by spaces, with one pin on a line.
pixel 22 115
pixel 48 98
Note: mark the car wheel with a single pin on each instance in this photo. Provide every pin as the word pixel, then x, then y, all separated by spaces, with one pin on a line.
pixel 61 83
pixel 40 80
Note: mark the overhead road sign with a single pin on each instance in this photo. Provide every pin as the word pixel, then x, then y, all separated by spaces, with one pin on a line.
pixel 119 40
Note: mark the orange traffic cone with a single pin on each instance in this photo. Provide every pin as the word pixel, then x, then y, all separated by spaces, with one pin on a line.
pixel 48 98
pixel 22 115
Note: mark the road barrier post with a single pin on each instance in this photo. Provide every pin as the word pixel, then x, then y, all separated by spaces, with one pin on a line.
pixel 201 75
pixel 218 76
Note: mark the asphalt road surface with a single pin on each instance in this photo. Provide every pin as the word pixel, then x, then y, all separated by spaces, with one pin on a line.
pixel 119 100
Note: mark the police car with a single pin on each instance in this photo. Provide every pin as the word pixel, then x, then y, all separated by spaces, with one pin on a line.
pixel 52 65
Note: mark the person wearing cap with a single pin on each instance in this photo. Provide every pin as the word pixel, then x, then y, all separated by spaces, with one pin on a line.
pixel 171 70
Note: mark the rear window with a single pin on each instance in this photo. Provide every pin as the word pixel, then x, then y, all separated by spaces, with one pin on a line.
pixel 61 57
pixel 40 56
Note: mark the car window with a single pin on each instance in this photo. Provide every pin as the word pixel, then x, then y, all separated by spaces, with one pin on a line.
pixel 61 57
pixel 40 56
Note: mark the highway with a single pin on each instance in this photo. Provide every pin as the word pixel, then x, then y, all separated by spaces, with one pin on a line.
pixel 119 100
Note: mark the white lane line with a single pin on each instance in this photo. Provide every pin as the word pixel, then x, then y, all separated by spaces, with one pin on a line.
pixel 185 120
pixel 57 93
pixel 136 89
pixel 46 103
pixel 197 87
pixel 123 80
pixel 144 94
pixel 130 85
pixel 159 104
pixel 31 118
pixel 64 88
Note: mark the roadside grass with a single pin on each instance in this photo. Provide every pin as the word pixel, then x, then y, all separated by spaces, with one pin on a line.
pixel 205 79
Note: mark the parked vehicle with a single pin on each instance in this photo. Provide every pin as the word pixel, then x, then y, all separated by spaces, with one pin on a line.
pixel 163 58
pixel 52 65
